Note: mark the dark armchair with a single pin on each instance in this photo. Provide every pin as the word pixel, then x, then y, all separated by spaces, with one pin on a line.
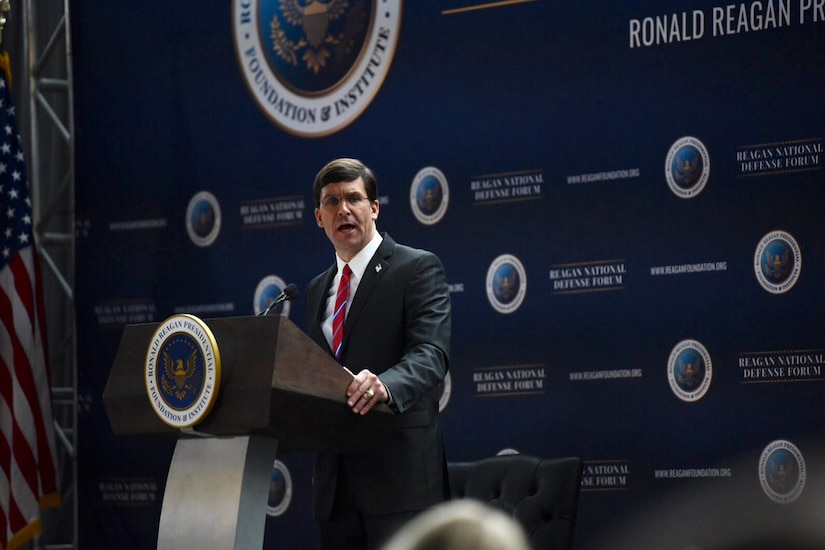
pixel 541 494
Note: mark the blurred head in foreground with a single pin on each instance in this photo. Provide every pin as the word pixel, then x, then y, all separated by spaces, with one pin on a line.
pixel 460 525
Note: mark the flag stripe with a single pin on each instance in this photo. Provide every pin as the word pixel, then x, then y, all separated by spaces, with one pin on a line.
pixel 5 438
pixel 28 480
pixel 21 491
pixel 13 308
pixel 28 408
pixel 45 434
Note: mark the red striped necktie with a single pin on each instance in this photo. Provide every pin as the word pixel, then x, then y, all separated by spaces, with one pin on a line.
pixel 340 311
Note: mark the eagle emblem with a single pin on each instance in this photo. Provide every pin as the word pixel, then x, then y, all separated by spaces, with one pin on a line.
pixel 179 372
pixel 776 266
pixel 689 373
pixel 505 287
pixel 687 170
pixel 429 198
pixel 316 44
pixel 780 475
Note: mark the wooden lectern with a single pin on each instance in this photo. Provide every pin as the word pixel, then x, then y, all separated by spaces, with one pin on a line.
pixel 279 392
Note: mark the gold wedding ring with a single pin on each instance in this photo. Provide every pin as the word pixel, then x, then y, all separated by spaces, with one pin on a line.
pixel 369 394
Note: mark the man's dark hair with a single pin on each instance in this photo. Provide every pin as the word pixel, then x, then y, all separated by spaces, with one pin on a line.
pixel 345 169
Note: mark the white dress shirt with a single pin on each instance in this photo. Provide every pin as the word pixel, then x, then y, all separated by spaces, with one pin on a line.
pixel 358 265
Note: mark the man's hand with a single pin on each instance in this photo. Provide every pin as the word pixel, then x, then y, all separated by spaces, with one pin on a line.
pixel 365 391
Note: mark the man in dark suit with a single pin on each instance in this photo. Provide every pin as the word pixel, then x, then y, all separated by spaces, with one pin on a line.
pixel 396 340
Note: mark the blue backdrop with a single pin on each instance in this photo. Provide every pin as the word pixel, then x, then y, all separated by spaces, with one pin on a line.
pixel 627 197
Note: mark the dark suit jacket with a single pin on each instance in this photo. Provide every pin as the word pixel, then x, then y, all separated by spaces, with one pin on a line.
pixel 398 327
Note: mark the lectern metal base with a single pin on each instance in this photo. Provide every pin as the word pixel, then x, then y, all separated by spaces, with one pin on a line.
pixel 216 493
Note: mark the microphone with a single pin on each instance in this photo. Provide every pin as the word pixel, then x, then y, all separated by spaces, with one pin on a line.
pixel 290 292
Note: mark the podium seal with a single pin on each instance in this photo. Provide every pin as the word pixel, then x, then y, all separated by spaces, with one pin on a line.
pixel 183 371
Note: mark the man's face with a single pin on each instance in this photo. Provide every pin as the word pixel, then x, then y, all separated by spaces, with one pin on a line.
pixel 348 222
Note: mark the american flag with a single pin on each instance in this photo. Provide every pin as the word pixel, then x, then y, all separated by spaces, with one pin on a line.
pixel 27 446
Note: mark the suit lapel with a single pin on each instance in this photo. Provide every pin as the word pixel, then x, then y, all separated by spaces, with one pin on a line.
pixel 320 306
pixel 378 266
pixel 316 306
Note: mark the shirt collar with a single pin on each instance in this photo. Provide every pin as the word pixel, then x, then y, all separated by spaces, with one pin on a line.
pixel 358 264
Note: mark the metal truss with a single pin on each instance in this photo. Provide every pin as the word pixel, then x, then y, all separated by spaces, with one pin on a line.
pixel 43 92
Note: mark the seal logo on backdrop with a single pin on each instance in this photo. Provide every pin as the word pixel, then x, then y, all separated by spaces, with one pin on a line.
pixel 777 262
pixel 267 290
pixel 182 371
pixel 429 195
pixel 280 490
pixel 687 167
pixel 689 370
pixel 506 283
pixel 313 66
pixel 203 218
pixel 782 471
